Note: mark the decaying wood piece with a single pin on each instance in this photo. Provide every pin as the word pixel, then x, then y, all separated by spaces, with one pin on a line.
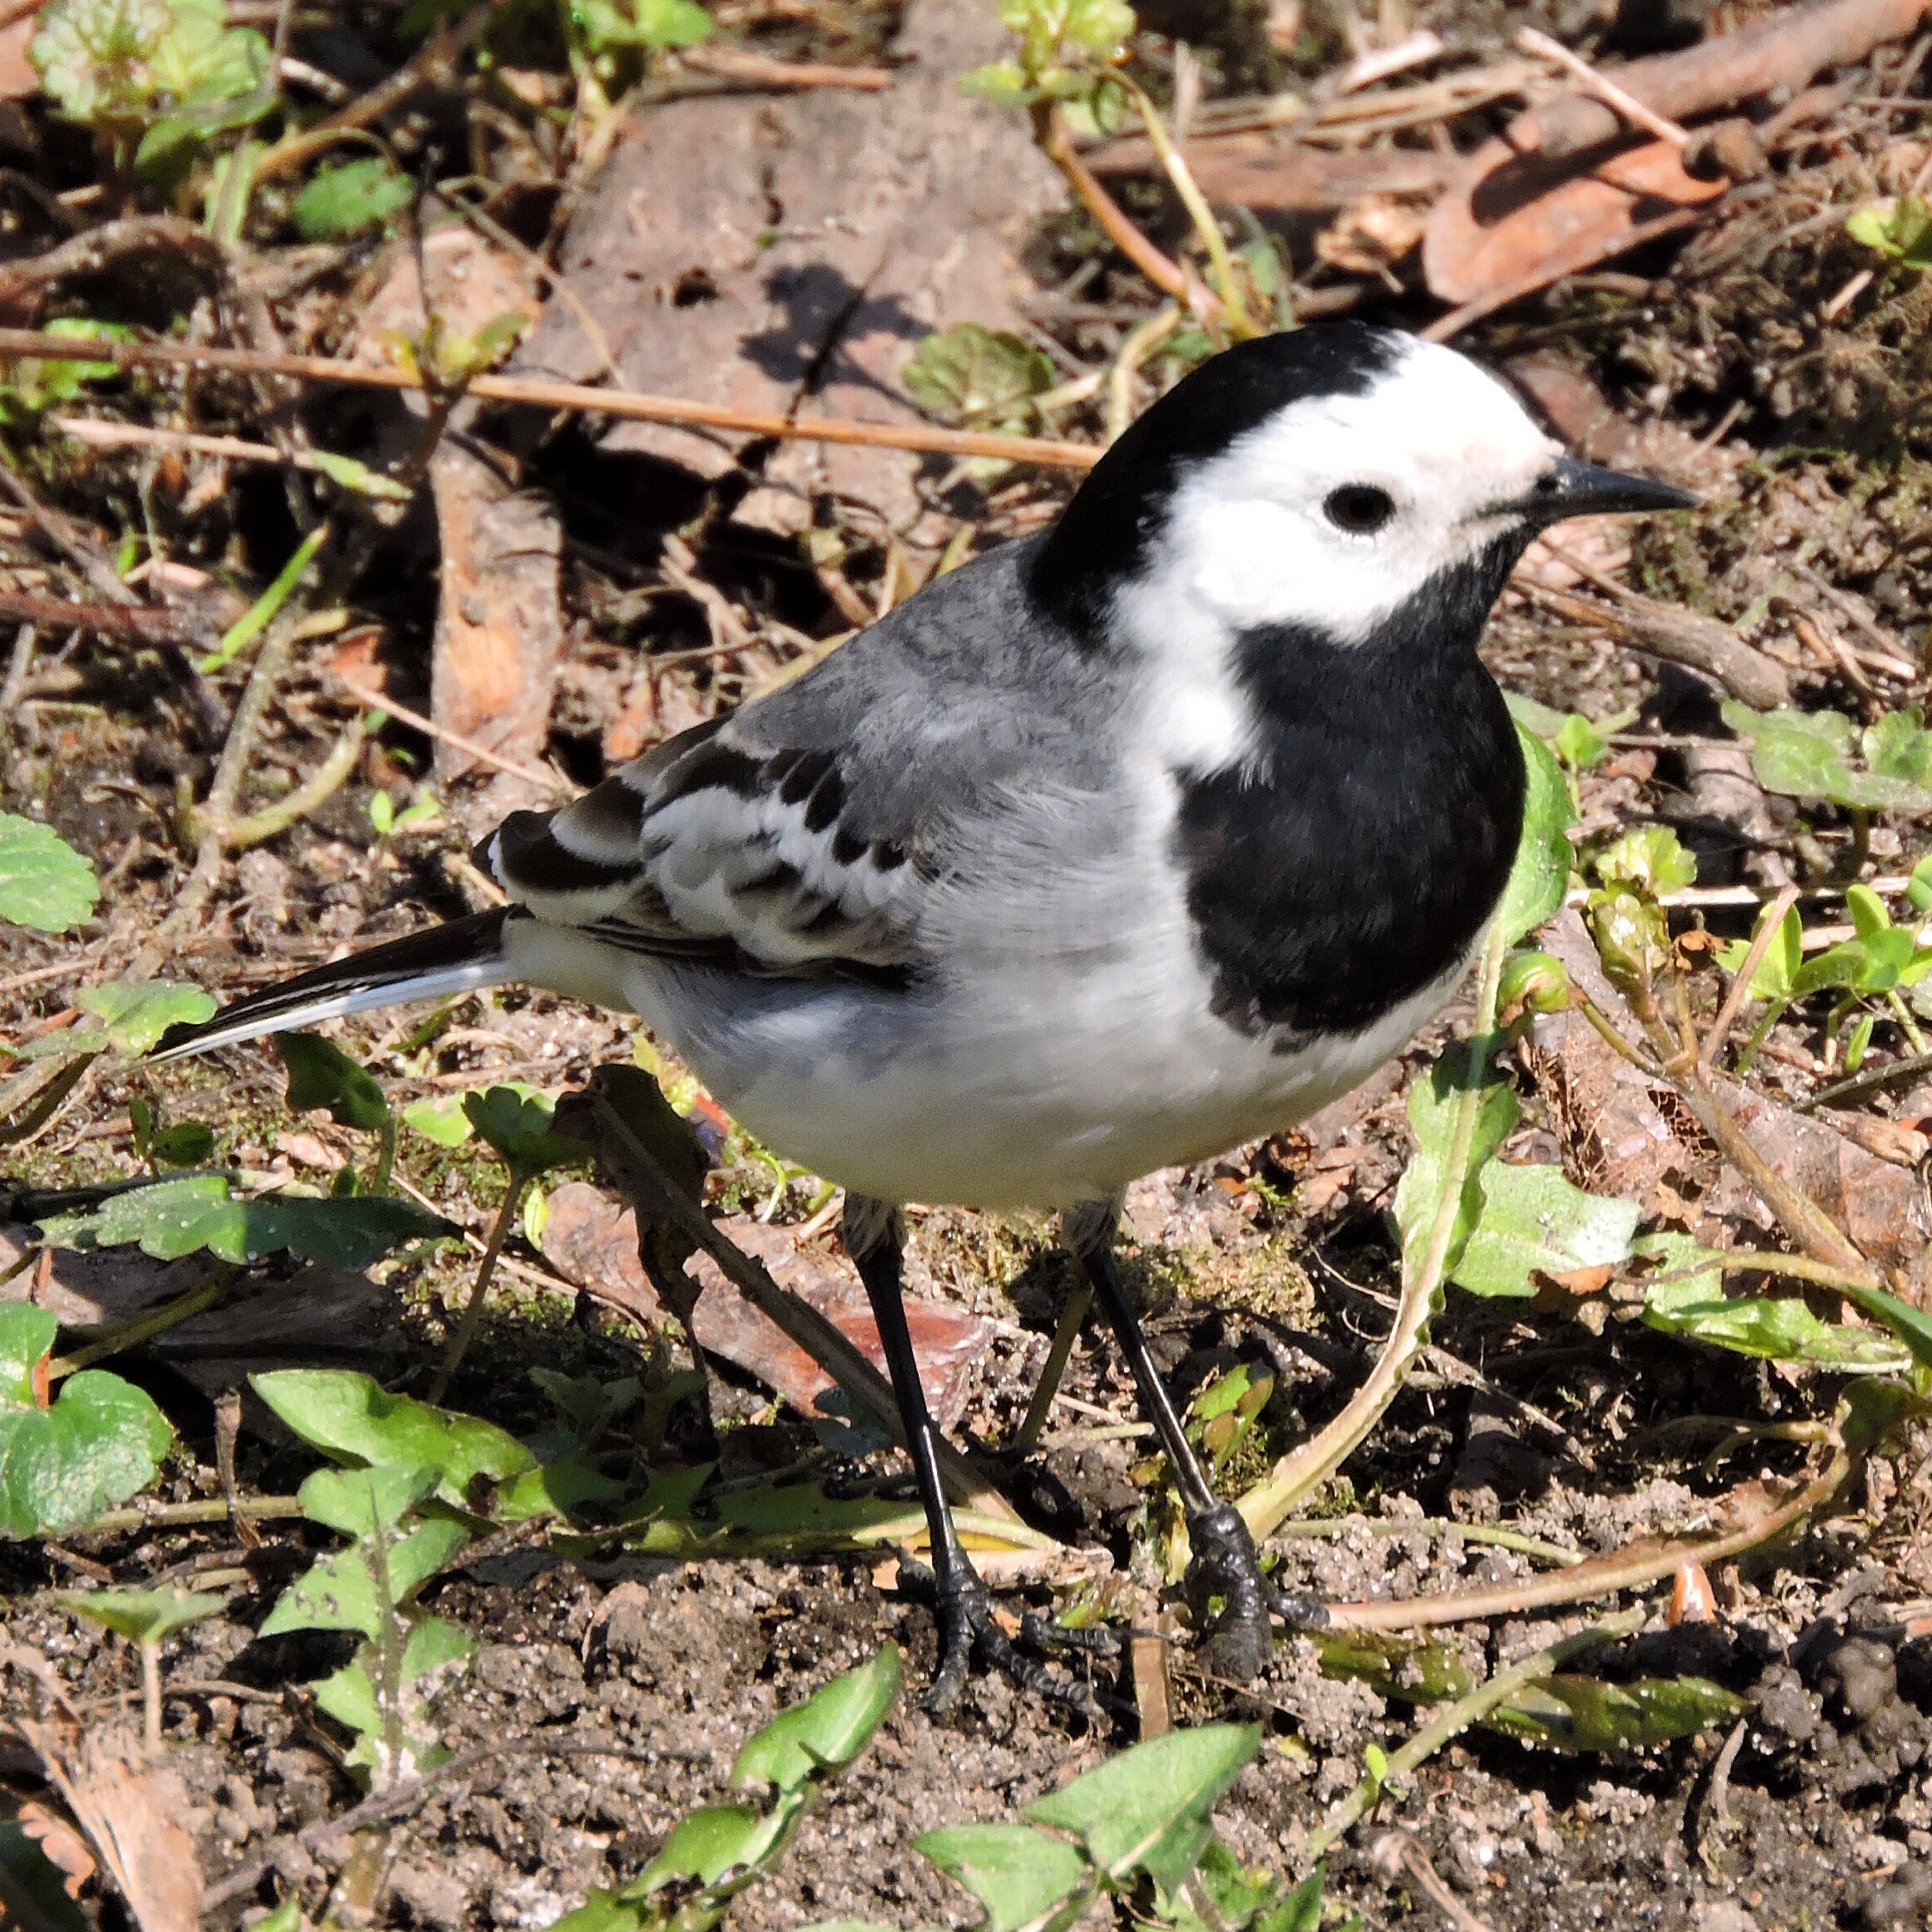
pixel 787 255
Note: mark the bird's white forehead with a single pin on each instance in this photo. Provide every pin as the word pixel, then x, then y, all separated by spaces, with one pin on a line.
pixel 1246 533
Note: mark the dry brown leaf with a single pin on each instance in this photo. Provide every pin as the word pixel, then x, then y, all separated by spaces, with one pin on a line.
pixel 1517 215
pixel 1371 234
pixel 132 1814
pixel 60 1844
pixel 592 1240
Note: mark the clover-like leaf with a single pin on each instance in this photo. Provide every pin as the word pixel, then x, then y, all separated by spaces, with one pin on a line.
pixel 353 1418
pixel 1776 973
pixel 518 1125
pixel 982 377
pixel 99 1441
pixel 1808 754
pixel 1651 858
pixel 359 194
pixel 44 881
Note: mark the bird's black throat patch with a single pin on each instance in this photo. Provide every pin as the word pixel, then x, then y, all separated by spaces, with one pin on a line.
pixel 1354 858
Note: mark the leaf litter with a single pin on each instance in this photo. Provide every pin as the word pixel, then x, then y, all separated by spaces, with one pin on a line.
pixel 489 1659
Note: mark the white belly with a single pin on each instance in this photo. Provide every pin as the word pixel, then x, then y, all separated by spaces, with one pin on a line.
pixel 890 1097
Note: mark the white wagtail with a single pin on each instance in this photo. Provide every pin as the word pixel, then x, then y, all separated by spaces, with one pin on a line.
pixel 1118 847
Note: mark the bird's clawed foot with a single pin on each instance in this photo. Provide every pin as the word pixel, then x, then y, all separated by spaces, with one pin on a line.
pixel 970 1637
pixel 1238 1639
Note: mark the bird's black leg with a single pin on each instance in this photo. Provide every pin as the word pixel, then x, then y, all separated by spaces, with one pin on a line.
pixel 874 1236
pixel 1225 1563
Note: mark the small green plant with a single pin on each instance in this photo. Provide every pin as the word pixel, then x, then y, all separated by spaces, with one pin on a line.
pixel 387 821
pixel 1886 766
pixel 1138 1829
pixel 34 386
pixel 1564 1711
pixel 344 200
pixel 519 1129
pixel 718 1852
pixel 980 378
pixel 1899 229
pixel 1065 50
pixel 321 1075
pixel 152 78
pixel 382 1695
pixel 147 1618
pixel 44 881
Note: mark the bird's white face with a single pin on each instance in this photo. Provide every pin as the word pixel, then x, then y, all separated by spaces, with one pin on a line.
pixel 1336 509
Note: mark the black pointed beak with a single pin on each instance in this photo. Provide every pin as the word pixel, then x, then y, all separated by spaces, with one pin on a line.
pixel 1570 488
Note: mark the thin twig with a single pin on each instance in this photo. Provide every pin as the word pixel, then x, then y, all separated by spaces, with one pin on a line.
pixel 1605 89
pixel 133 624
pixel 1739 990
pixel 1635 1568
pixel 632 405
pixel 1056 143
pixel 761 70
pixel 531 774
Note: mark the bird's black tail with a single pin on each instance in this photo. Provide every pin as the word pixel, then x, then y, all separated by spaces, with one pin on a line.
pixel 460 957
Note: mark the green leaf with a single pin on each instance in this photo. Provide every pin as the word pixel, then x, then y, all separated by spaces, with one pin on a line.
pixel 353 1418
pixel 1541 875
pixel 100 1442
pixel 1147 1809
pixel 27 1339
pixel 1583 1713
pixel 826 1732
pixel 1431 1113
pixel 441 1119
pixel 142 1616
pixel 364 1502
pixel 44 881
pixel 1301 1910
pixel 708 1844
pixel 93 55
pixel 670 23
pixel 176 1217
pixel 1404 1668
pixel 1779 1329
pixel 1910 1325
pixel 1870 965
pixel 1900 227
pixel 1777 971
pixel 1579 743
pixel 321 1074
pixel 133 1015
pixel 1533 1220
pixel 517 1127
pixel 339 1592
pixel 1019 1874
pixel 348 474
pixel 359 194
pixel 981 377
pixel 186 1144
pixel 1807 754
pixel 1650 858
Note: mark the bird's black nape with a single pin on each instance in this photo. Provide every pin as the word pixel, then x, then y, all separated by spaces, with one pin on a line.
pixel 1101 537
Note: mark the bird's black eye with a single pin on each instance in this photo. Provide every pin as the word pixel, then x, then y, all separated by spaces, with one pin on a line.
pixel 1359 507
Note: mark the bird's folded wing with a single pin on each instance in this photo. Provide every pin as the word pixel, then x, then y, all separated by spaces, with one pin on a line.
pixel 721 843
